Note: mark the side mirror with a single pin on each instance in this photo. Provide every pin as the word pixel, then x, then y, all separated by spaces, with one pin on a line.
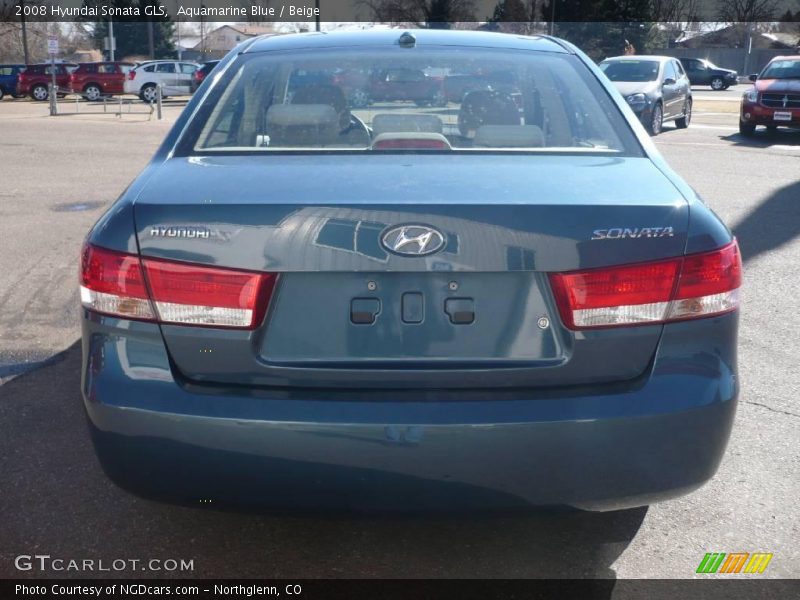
pixel 669 81
pixel 753 76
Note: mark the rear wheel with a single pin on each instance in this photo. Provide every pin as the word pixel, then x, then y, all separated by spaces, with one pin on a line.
pixel 684 121
pixel 717 84
pixel 359 99
pixel 92 92
pixel 39 93
pixel 656 120
pixel 148 93
pixel 747 129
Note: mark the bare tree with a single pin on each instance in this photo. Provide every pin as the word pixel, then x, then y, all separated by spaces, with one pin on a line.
pixel 515 16
pixel 670 11
pixel 420 13
pixel 738 11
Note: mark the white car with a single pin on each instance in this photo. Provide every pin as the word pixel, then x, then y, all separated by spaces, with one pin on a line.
pixel 174 77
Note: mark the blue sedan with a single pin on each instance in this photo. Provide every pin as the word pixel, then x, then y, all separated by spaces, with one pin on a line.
pixel 510 300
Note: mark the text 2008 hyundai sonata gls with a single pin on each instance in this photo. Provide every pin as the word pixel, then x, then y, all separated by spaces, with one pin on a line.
pixel 507 301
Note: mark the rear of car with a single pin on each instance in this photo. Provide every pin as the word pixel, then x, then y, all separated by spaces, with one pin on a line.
pixel 774 99
pixel 96 80
pixel 36 79
pixel 9 76
pixel 300 303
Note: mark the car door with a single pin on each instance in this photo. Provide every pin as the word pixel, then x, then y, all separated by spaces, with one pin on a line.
pixel 669 89
pixel 167 78
pixel 105 77
pixel 184 75
pixel 684 86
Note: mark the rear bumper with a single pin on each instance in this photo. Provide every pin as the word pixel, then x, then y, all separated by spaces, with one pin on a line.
pixel 603 448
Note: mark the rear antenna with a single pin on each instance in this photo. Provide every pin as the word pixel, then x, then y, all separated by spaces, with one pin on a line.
pixel 407 40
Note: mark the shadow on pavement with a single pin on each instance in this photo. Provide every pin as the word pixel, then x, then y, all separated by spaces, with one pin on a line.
pixel 57 501
pixel 765 138
pixel 774 222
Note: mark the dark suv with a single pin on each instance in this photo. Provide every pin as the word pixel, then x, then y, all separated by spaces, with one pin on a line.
pixel 35 79
pixel 702 72
pixel 8 79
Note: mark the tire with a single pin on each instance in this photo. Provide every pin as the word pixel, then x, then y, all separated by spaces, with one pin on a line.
pixel 92 92
pixel 684 121
pixel 40 93
pixel 148 93
pixel 656 120
pixel 359 99
pixel 747 129
pixel 717 84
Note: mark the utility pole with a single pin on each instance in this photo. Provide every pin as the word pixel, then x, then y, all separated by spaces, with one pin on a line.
pixel 111 41
pixel 24 31
pixel 552 17
pixel 316 17
pixel 150 45
pixel 180 47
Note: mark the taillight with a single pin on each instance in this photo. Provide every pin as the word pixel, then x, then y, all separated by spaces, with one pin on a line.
pixel 698 285
pixel 132 74
pixel 113 283
pixel 171 292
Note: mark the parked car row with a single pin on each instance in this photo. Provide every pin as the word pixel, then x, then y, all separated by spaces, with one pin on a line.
pixel 96 80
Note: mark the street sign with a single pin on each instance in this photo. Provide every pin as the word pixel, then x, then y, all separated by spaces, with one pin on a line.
pixel 52 44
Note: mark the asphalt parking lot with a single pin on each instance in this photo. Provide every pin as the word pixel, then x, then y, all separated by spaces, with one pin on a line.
pixel 60 173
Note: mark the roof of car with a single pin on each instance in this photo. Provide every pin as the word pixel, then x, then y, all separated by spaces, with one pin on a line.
pixel 640 57
pixel 386 37
pixel 787 57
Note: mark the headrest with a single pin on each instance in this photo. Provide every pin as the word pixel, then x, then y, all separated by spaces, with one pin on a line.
pixel 321 94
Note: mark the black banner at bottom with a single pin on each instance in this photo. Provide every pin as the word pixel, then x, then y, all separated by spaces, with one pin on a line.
pixel 353 589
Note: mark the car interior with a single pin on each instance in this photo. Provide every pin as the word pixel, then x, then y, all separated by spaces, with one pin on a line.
pixel 283 107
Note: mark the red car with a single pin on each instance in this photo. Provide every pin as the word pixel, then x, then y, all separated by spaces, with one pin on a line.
pixel 407 84
pixel 35 79
pixel 95 80
pixel 774 100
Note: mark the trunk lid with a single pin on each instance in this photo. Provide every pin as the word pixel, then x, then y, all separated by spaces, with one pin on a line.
pixel 477 313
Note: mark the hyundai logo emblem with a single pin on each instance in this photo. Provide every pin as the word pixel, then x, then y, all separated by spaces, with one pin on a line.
pixel 412 240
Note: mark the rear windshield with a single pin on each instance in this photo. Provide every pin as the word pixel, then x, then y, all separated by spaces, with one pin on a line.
pixel 394 100
pixel 782 69
pixel 630 70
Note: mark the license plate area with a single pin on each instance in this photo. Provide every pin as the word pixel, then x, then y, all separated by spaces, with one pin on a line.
pixel 782 115
pixel 423 320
